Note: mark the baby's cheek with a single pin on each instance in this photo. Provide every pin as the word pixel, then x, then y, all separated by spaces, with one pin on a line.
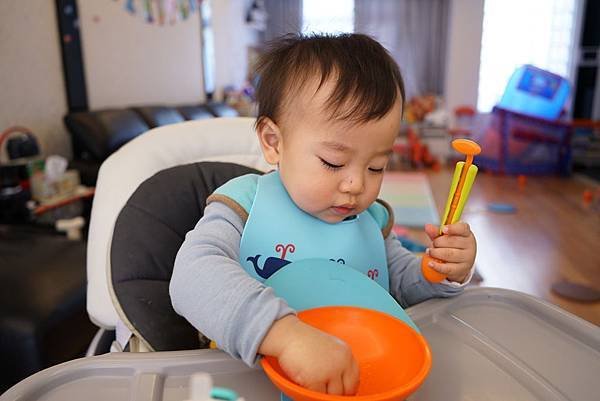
pixel 371 194
pixel 307 199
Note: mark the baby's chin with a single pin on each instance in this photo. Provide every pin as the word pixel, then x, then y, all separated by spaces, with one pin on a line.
pixel 330 217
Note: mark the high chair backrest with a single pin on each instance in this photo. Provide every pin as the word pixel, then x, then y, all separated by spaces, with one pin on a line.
pixel 220 139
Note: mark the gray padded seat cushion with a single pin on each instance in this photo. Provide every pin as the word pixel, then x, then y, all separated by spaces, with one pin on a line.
pixel 148 233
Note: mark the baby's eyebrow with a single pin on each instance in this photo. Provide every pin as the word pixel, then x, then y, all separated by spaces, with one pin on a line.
pixel 340 147
pixel 336 146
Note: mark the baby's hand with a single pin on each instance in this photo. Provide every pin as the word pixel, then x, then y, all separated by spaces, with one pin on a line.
pixel 456 247
pixel 313 359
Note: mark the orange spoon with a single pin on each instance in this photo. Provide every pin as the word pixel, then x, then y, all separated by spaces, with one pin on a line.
pixel 469 149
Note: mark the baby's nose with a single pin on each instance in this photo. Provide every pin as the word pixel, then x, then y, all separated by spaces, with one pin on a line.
pixel 353 184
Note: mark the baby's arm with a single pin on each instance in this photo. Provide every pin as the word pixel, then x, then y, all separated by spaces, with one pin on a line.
pixel 407 284
pixel 213 292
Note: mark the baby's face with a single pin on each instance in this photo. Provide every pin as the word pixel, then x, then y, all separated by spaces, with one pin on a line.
pixel 333 169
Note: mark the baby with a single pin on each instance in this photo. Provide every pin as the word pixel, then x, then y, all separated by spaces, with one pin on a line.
pixel 329 110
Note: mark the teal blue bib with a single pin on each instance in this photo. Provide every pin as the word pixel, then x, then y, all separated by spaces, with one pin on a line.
pixel 277 233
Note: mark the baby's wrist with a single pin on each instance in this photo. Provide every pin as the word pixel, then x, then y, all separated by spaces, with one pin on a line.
pixel 462 278
pixel 278 336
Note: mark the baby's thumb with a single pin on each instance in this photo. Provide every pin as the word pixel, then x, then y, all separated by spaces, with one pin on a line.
pixel 432 231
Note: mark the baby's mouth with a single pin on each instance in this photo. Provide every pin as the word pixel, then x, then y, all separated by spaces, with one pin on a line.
pixel 344 210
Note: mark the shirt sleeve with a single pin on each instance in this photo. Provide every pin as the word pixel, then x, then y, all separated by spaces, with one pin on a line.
pixel 407 284
pixel 215 294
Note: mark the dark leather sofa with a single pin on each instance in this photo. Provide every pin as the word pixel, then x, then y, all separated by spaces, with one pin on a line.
pixel 43 320
pixel 97 134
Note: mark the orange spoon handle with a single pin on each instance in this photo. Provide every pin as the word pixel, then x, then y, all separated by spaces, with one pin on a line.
pixel 459 188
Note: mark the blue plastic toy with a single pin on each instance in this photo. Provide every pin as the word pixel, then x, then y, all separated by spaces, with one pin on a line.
pixel 501 208
pixel 535 92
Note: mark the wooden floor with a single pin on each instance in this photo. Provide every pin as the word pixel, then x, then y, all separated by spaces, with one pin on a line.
pixel 551 236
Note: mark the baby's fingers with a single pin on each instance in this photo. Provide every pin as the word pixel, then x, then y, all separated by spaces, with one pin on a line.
pixel 452 241
pixel 335 386
pixel 462 229
pixel 350 379
pixel 444 267
pixel 451 255
pixel 319 386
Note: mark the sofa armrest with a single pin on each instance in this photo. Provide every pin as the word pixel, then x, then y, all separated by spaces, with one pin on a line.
pixel 88 170
pixel 97 134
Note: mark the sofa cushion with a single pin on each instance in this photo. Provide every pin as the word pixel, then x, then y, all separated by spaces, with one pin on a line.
pixel 156 116
pixel 97 134
pixel 222 110
pixel 195 112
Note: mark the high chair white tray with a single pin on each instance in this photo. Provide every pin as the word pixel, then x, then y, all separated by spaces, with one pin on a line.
pixel 487 344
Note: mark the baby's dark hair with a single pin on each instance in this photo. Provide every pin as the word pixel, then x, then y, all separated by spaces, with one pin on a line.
pixel 367 79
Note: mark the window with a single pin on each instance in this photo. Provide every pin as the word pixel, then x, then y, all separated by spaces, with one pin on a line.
pixel 327 16
pixel 517 32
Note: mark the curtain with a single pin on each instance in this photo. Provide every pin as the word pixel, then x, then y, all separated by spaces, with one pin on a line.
pixel 415 33
pixel 285 16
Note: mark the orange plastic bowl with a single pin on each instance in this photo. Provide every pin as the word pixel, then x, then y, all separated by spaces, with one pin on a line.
pixel 393 358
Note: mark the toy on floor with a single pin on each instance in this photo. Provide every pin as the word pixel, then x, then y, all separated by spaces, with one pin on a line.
pixel 418 107
pixel 420 155
pixel 588 197
pixel 501 208
pixel 576 292
pixel 526 132
pixel 394 359
pixel 414 153
pixel 522 182
pixel 536 92
pixel 464 175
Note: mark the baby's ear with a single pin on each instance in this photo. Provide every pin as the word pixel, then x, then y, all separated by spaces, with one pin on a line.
pixel 269 136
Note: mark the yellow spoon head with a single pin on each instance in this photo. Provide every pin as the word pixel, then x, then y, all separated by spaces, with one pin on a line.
pixel 466 146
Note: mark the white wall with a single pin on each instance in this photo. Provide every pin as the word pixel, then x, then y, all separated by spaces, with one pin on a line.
pixel 463 53
pixel 31 81
pixel 232 38
pixel 131 62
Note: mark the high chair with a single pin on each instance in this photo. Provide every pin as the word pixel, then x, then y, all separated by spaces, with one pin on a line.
pixel 167 171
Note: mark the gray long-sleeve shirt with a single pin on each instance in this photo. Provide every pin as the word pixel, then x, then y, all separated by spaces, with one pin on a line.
pixel 214 293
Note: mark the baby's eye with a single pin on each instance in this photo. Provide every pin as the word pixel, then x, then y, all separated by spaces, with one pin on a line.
pixel 376 170
pixel 330 166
